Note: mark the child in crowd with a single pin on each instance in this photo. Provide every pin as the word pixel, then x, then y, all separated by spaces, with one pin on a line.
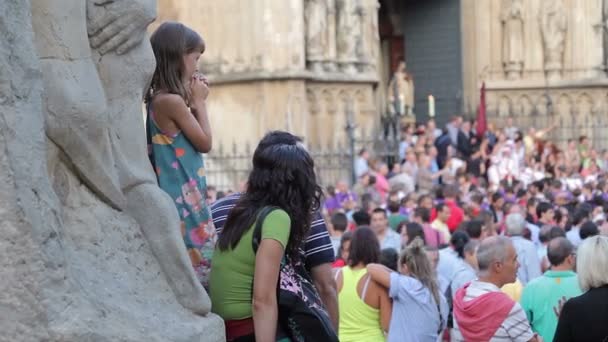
pixel 178 132
pixel 343 250
pixel 339 223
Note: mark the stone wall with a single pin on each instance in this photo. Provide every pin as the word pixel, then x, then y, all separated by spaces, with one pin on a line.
pixel 269 61
pixel 532 53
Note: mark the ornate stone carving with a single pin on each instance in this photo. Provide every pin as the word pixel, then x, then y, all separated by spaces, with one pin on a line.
pixel 525 106
pixel 604 26
pixel 504 106
pixel 98 229
pixel 330 58
pixel 369 39
pixel 542 103
pixel 316 17
pixel 401 92
pixel 554 25
pixel 348 31
pixel 512 38
pixel 314 101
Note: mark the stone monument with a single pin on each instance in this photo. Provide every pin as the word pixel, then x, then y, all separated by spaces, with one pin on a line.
pixel 401 92
pixel 369 39
pixel 91 247
pixel 553 25
pixel 330 54
pixel 316 20
pixel 348 32
pixel 604 26
pixel 512 38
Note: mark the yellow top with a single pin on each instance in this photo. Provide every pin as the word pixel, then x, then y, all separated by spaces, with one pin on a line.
pixel 358 321
pixel 513 290
pixel 443 229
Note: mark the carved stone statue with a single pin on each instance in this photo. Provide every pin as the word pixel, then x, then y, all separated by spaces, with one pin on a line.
pixel 605 34
pixel 369 39
pixel 401 92
pixel 316 33
pixel 348 31
pixel 512 38
pixel 553 25
pixel 330 55
pixel 117 266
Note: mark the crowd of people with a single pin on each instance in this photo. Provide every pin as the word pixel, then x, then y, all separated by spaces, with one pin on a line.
pixel 504 219
pixel 494 235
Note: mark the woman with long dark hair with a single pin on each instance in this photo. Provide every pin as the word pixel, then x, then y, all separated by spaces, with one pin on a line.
pixel 243 285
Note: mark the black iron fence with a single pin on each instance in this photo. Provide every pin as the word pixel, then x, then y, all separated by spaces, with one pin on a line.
pixel 228 169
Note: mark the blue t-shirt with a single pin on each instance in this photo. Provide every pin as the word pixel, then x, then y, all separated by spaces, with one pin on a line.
pixel 415 316
pixel 318 248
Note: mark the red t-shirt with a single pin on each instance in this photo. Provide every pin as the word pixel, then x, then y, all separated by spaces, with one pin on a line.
pixel 456 215
pixel 339 263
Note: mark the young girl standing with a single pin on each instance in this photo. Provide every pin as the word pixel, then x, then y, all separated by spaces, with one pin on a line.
pixel 178 132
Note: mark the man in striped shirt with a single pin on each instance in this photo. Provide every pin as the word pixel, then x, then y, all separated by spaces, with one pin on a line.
pixel 318 252
pixel 481 311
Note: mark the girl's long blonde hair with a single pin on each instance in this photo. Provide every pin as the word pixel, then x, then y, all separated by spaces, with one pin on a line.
pixel 170 42
pixel 414 257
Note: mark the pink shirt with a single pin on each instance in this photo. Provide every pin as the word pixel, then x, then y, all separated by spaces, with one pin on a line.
pixel 433 237
pixel 382 186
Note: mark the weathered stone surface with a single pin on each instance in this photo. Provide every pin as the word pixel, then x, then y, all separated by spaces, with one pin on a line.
pixel 74 268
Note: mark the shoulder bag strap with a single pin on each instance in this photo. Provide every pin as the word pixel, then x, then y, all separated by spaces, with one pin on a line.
pixel 257 230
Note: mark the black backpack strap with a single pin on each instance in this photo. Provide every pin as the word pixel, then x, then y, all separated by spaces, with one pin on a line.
pixel 257 230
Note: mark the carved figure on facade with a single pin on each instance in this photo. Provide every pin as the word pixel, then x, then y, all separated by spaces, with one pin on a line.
pixel 330 64
pixel 554 26
pixel 316 19
pixel 604 26
pixel 512 38
pixel 93 109
pixel 369 39
pixel 401 92
pixel 348 32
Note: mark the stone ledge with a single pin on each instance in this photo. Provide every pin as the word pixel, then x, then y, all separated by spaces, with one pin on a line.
pixel 256 76
pixel 541 84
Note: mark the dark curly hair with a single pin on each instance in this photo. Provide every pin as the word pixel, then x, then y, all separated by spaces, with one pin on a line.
pixel 283 175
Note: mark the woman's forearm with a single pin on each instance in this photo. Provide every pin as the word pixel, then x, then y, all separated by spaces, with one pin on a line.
pixel 265 317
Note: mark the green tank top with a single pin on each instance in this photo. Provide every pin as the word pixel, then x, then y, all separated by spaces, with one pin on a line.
pixel 358 321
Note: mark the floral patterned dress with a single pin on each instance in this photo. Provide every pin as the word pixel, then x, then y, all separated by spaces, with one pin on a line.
pixel 180 172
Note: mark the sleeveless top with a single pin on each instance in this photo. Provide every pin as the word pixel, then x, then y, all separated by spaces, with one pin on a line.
pixel 180 173
pixel 358 320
